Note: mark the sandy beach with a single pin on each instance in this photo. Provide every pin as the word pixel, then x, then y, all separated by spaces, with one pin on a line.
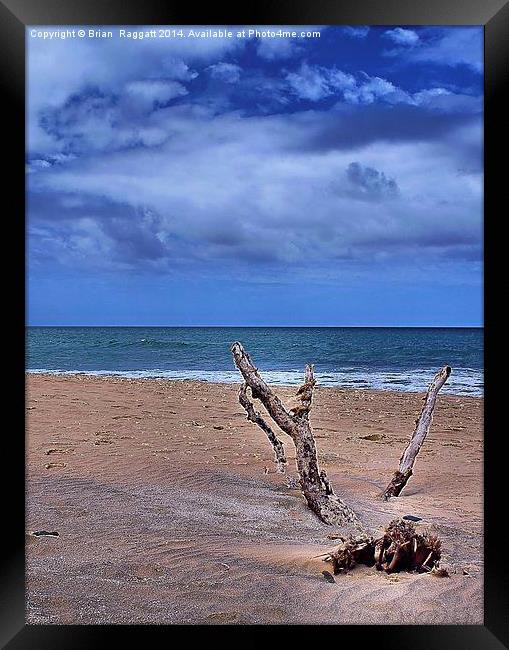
pixel 168 508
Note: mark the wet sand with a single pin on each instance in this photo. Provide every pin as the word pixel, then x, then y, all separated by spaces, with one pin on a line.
pixel 169 510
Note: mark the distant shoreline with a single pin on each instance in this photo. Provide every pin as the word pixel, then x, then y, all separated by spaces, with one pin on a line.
pixel 112 377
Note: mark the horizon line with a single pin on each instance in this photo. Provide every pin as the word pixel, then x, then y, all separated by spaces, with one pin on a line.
pixel 274 326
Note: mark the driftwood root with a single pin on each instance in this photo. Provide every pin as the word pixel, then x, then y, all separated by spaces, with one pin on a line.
pixel 400 548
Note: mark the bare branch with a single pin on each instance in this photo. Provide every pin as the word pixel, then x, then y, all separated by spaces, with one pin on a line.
pixel 304 394
pixel 261 391
pixel 254 416
pixel 423 425
pixel 315 486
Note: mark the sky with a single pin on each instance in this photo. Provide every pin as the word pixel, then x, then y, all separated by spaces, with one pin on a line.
pixel 334 180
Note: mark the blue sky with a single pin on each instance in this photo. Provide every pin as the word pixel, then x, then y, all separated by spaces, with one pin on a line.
pixel 265 181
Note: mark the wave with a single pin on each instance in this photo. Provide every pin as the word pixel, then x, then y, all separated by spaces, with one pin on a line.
pixel 144 343
pixel 463 381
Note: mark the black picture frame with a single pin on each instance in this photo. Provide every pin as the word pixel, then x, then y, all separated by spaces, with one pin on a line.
pixel 494 16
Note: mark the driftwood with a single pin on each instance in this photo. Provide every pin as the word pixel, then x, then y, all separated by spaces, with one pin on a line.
pixel 423 424
pixel 401 548
pixel 294 422
pixel 254 416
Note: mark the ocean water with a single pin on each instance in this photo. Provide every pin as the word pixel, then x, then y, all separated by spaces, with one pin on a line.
pixel 403 359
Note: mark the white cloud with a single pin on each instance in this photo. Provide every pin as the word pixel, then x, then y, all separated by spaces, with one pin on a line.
pixel 448 46
pixel 453 46
pixel 402 36
pixel 46 163
pixel 443 100
pixel 148 91
pixel 227 72
pixel 358 31
pixel 315 83
pixel 176 69
pixel 58 68
pixel 309 82
pixel 340 80
pixel 276 48
pixel 368 92
pixel 37 165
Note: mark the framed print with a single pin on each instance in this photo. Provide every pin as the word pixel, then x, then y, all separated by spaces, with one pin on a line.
pixel 256 259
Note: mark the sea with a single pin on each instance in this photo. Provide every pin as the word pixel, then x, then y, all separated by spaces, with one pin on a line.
pixel 400 359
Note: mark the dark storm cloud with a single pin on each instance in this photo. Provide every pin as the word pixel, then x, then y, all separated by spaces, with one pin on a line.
pixel 135 235
pixel 94 227
pixel 370 184
pixel 348 128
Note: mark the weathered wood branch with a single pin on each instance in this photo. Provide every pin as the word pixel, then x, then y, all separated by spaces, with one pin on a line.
pixel 260 390
pixel 295 422
pixel 423 425
pixel 254 416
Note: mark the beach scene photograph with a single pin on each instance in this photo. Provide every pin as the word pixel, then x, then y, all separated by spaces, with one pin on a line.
pixel 254 334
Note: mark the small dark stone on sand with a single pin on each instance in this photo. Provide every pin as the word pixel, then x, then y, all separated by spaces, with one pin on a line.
pixel 328 576
pixel 412 518
pixel 45 533
pixel 219 427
